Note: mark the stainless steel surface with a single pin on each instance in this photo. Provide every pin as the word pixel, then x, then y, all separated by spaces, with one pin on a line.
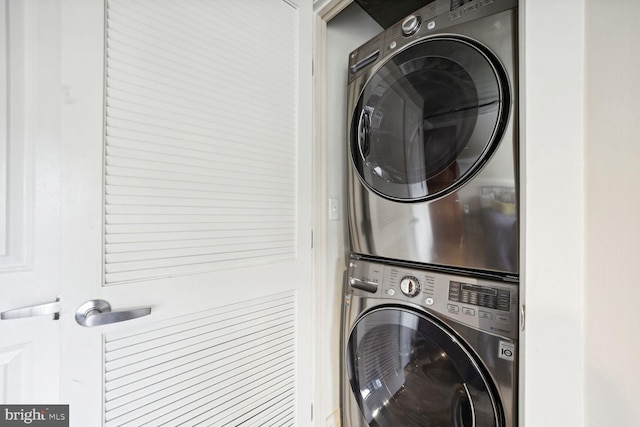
pixel 488 336
pixel 98 312
pixel 51 308
pixel 473 223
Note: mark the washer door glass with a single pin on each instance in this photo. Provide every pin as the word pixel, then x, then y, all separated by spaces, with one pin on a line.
pixel 428 119
pixel 407 370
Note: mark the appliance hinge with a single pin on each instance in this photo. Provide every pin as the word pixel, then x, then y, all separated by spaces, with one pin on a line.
pixel 522 317
pixel 311 239
pixel 312 412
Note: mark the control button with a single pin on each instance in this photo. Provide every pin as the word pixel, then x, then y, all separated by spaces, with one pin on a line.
pixel 503 318
pixel 410 286
pixel 485 300
pixel 410 25
pixel 428 301
pixel 504 305
pixel 484 314
pixel 504 300
pixel 391 292
pixel 470 8
pixel 431 25
pixel 466 296
pixel 392 45
pixel 468 311
pixel 454 291
pixel 453 308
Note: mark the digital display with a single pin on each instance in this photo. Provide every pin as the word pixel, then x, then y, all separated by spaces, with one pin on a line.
pixel 478 289
pixel 481 296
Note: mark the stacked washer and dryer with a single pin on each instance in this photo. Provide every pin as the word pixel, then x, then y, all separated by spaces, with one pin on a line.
pixel 431 307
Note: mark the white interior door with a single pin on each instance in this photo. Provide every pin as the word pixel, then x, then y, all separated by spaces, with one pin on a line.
pixel 186 189
pixel 29 200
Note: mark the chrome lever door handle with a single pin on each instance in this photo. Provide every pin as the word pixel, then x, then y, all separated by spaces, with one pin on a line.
pixel 34 310
pixel 98 312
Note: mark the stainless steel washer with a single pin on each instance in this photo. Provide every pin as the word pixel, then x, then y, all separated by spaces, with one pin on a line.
pixel 428 349
pixel 433 139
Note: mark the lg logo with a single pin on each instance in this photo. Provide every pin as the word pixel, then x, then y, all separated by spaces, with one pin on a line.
pixel 506 350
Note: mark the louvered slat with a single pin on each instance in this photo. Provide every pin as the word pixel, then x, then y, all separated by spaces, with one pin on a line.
pixel 200 157
pixel 232 365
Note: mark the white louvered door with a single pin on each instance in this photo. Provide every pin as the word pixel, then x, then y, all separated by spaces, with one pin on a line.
pixel 187 188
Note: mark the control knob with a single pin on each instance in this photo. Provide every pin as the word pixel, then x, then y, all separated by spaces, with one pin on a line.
pixel 410 286
pixel 410 25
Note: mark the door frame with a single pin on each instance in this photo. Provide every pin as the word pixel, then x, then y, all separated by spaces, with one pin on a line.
pixel 326 385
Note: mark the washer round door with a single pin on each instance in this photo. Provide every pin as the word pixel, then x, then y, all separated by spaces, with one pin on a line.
pixel 429 118
pixel 405 369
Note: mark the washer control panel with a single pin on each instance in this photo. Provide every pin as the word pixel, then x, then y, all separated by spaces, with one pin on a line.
pixel 487 305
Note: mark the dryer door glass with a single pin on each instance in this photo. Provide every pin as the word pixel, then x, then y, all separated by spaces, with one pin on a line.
pixel 429 119
pixel 407 370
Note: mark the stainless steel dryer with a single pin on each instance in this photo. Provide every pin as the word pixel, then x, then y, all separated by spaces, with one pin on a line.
pixel 427 349
pixel 433 139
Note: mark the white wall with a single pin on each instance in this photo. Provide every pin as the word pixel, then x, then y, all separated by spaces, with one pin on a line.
pixel 344 33
pixel 582 224
pixel 553 184
pixel 612 294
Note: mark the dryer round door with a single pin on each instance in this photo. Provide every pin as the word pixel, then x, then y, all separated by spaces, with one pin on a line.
pixel 429 118
pixel 405 369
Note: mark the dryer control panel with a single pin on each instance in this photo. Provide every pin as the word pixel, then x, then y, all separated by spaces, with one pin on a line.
pixel 487 305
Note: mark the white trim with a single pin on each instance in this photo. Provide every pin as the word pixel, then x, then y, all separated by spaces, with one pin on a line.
pixel 328 10
pixel 323 414
pixel 4 120
pixel 17 192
